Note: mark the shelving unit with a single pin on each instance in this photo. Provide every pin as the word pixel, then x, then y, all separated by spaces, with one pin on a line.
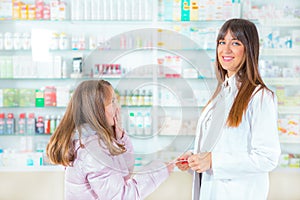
pixel 118 42
pixel 140 43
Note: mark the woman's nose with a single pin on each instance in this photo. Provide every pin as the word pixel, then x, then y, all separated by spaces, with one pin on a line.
pixel 227 48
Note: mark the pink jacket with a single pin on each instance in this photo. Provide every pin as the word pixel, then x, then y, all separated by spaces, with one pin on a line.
pixel 96 174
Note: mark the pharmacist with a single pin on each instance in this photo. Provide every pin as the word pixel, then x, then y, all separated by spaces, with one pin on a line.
pixel 237 142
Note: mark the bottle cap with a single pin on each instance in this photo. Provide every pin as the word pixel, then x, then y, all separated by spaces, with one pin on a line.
pixel 10 115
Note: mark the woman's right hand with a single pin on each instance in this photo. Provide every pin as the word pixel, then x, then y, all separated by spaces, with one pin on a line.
pixel 182 162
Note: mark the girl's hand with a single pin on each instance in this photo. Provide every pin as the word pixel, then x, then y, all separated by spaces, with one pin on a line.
pixel 182 162
pixel 118 124
pixel 170 167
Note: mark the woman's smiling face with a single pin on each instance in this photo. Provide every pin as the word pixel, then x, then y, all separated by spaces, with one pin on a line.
pixel 231 53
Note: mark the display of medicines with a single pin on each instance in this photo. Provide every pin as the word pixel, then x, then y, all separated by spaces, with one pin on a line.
pixel 26 41
pixel 52 123
pixel 21 124
pixel 10 124
pixel 39 4
pixel 139 124
pixel 147 124
pixel 39 126
pixel 17 41
pixel 30 127
pixel 131 124
pixel 50 96
pixel 47 125
pixel 63 41
pixel 39 98
pixel 8 41
pixel 1 41
pixel 54 41
pixel 2 124
pixel 57 121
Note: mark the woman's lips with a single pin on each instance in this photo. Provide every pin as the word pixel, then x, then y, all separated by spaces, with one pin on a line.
pixel 227 58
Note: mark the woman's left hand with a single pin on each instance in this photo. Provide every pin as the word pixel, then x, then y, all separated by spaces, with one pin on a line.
pixel 200 162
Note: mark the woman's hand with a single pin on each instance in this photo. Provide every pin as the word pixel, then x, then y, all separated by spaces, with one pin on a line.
pixel 182 163
pixel 200 162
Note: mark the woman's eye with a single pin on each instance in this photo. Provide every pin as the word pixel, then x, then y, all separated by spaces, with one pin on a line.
pixel 221 42
pixel 236 43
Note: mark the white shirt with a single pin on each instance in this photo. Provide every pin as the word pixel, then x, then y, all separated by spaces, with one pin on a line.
pixel 241 156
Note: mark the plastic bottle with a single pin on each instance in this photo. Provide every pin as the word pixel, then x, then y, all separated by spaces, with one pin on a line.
pixel 63 43
pixel 8 41
pixel 54 41
pixel 47 125
pixel 147 124
pixel 22 124
pixel 57 120
pixel 1 41
pixel 1 158
pixel 131 124
pixel 64 70
pixel 2 124
pixel 148 98
pixel 142 98
pixel 139 124
pixel 30 127
pixel 52 123
pixel 10 124
pixel 39 125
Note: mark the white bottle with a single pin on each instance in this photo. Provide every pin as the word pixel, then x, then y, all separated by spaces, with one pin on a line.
pixel 30 126
pixel 8 41
pixel 147 124
pixel 139 124
pixel 127 9
pixel 131 124
pixel 64 73
pixel 87 9
pixel 94 9
pixel 63 41
pixel 1 41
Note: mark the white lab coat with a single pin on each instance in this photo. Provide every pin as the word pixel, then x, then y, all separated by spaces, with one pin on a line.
pixel 243 156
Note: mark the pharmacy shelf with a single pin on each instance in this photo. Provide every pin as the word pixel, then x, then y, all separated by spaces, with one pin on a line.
pixel 289 109
pixel 280 52
pixel 53 168
pixel 284 22
pixel 290 139
pixel 282 81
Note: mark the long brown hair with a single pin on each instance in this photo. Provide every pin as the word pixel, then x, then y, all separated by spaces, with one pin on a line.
pixel 248 74
pixel 87 106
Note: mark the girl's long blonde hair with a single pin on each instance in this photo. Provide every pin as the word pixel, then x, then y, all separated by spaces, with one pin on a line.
pixel 86 106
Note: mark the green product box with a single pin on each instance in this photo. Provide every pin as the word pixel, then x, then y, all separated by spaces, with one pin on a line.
pixel 27 97
pixel 10 97
pixel 39 98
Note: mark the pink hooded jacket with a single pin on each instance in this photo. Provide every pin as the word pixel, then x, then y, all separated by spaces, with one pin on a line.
pixel 98 175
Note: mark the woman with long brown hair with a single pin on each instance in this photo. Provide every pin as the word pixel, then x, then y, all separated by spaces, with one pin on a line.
pixel 97 153
pixel 236 143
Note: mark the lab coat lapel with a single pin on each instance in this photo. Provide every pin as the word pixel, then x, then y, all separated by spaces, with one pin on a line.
pixel 199 125
pixel 218 118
